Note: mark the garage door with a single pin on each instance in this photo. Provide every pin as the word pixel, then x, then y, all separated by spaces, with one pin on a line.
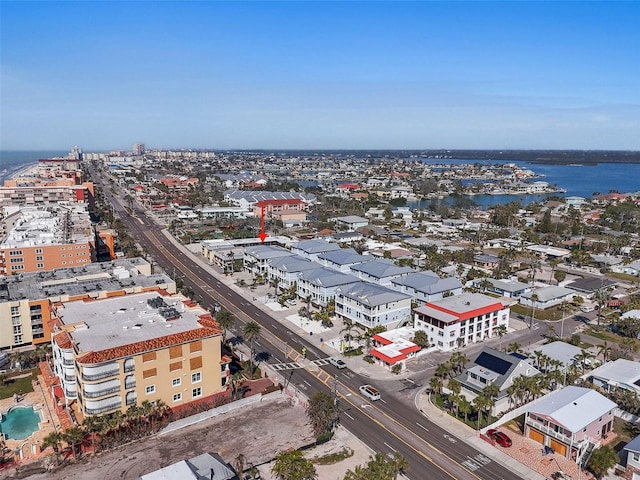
pixel 537 436
pixel 558 447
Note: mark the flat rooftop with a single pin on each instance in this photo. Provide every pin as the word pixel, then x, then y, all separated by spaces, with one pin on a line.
pixel 92 277
pixel 118 321
pixel 48 226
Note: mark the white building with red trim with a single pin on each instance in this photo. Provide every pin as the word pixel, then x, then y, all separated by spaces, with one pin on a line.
pixel 394 347
pixel 461 320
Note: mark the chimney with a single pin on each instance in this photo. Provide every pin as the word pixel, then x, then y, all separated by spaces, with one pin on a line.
pixel 212 474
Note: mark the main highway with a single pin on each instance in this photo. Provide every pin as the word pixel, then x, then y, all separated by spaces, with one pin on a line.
pixel 388 426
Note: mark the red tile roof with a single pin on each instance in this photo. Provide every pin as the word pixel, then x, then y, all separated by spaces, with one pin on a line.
pixel 148 345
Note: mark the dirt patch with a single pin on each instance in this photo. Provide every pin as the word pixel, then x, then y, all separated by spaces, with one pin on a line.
pixel 258 431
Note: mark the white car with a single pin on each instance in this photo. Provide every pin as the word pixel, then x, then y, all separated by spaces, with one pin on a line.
pixel 338 363
pixel 370 392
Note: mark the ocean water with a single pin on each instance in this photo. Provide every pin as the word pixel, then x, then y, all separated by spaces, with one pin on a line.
pixel 13 160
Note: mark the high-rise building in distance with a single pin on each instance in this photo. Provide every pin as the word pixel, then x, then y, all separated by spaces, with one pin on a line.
pixel 138 149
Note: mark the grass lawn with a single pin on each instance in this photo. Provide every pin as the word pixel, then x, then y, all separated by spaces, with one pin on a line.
pixel 21 384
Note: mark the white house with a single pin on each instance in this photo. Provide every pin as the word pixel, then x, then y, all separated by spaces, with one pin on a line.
pixel 371 305
pixel 285 270
pixel 426 286
pixel 547 297
pixel 257 257
pixel 321 284
pixel 351 222
pixel 380 271
pixel 621 373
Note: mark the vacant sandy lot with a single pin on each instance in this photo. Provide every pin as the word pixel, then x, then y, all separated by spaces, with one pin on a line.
pixel 258 431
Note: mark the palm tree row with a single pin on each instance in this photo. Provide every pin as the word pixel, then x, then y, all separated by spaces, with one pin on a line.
pixel 109 431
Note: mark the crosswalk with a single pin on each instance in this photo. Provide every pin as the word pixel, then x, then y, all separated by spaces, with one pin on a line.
pixel 321 362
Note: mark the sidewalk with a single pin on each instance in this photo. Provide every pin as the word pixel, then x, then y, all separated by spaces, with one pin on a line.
pixel 470 436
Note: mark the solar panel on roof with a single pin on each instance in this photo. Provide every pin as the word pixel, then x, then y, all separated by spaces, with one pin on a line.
pixel 518 355
pixel 493 363
pixel 637 382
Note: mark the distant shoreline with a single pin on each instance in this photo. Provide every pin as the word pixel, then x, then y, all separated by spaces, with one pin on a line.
pixel 16 171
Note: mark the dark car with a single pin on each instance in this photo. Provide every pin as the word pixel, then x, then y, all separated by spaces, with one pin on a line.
pixel 500 438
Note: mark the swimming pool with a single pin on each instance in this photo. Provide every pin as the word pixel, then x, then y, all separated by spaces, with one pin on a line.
pixel 19 423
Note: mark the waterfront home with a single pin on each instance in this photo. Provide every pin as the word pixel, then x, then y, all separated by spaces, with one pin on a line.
pixel 571 421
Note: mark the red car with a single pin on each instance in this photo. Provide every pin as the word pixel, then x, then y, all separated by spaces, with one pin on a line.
pixel 499 437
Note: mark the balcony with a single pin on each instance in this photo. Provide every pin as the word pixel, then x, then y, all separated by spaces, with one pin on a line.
pixel 105 409
pixel 100 375
pixel 548 430
pixel 101 393
pixel 129 382
pixel 68 362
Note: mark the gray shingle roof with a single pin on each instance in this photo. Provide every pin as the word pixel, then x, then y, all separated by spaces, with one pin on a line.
pixel 292 264
pixel 381 269
pixel 344 256
pixel 263 252
pixel 427 282
pixel 371 294
pixel 315 246
pixel 326 277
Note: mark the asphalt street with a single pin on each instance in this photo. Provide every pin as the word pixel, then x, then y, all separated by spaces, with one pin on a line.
pixel 389 425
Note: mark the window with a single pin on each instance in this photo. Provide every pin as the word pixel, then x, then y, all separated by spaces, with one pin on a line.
pixel 150 389
pixel 147 357
pixel 15 252
pixel 17 339
pixel 196 377
pixel 195 363
pixel 38 250
pixel 177 397
pixel 40 265
pixel 196 392
pixel 176 382
pixel 15 311
pixel 152 372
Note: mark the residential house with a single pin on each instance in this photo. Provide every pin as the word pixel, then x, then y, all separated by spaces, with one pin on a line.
pixel 351 222
pixel 493 367
pixel 371 305
pixel 208 466
pixel 571 421
pixel 547 297
pixel 426 286
pixel 589 286
pixel 460 320
pixel 632 268
pixel 321 284
pixel 563 352
pixel 257 257
pixel 285 270
pixel 632 453
pixel 380 271
pixel 507 288
pixel 619 374
pixel 486 261
pixel 310 249
pixel 342 259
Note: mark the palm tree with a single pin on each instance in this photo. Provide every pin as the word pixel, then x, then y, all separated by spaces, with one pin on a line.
pixel 291 465
pixel 399 465
pixel 458 360
pixel 238 464
pixel 435 384
pixel 251 331
pixel 534 300
pixel 514 347
pixel 226 320
pixel 605 350
pixel 481 403
pixel 602 460
pixel 322 413
pixel 73 436
pixel 501 331
pixel 53 440
pixel 464 407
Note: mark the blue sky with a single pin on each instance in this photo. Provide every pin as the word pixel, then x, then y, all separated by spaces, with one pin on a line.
pixel 290 75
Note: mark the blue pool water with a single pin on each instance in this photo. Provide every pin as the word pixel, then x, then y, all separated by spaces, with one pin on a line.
pixel 19 423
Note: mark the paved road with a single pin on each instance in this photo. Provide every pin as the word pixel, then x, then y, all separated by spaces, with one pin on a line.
pixel 389 425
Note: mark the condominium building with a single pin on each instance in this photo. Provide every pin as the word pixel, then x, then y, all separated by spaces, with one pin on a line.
pixel 460 320
pixel 41 239
pixel 26 299
pixel 117 352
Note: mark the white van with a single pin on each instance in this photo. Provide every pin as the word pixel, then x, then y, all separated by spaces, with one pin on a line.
pixel 370 392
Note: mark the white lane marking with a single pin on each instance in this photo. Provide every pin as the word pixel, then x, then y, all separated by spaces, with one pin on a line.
pixel 422 427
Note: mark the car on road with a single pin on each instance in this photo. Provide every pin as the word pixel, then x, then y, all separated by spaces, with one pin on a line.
pixel 370 392
pixel 338 363
pixel 500 438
